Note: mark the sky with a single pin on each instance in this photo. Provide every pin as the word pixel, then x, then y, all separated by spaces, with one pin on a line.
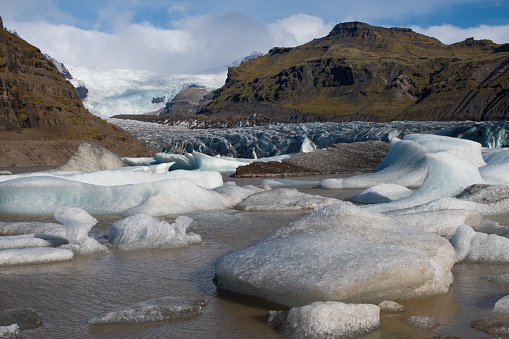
pixel 203 36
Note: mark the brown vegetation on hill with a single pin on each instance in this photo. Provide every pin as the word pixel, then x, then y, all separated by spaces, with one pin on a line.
pixel 37 104
pixel 362 72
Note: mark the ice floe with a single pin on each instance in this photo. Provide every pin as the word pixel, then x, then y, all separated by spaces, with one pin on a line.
pixel 340 253
pixel 389 307
pixel 34 255
pixel 326 320
pixel 30 240
pixel 381 193
pixel 164 308
pixel 27 227
pixel 77 224
pixel 143 231
pixel 407 162
pixel 480 247
pixel 11 331
pixel 284 199
pixel 422 322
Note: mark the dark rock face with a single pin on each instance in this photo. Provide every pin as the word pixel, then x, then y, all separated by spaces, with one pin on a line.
pixel 367 73
pixel 36 97
pixel 188 101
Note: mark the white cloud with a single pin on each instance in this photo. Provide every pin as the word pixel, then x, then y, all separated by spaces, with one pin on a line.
pixel 197 44
pixel 449 34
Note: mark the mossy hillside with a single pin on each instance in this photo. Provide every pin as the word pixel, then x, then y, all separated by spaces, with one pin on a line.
pixel 361 69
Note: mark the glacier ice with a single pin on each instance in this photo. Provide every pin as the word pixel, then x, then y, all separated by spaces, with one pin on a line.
pixel 164 308
pixel 122 91
pixel 34 255
pixel 502 305
pixel 422 322
pixel 270 140
pixel 143 231
pixel 11 331
pixel 330 319
pixel 30 240
pixel 479 247
pixel 340 253
pixel 284 199
pixel 171 192
pixel 77 224
pixel 407 161
pixel 381 193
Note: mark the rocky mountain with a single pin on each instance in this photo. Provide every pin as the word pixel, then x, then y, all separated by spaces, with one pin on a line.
pixel 367 73
pixel 38 104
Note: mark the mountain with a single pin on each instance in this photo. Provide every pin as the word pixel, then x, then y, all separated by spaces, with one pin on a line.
pixel 38 105
pixel 368 73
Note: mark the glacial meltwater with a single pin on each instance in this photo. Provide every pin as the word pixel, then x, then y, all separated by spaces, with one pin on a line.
pixel 68 294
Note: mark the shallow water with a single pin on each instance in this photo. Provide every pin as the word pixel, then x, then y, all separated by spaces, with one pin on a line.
pixel 68 294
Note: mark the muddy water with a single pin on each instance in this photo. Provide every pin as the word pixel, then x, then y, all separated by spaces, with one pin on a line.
pixel 68 294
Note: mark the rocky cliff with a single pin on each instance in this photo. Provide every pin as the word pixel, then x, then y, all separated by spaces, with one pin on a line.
pixel 38 104
pixel 367 73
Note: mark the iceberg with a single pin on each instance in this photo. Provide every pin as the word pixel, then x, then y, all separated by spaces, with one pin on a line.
pixel 340 253
pixel 143 231
pixel 30 240
pixel 77 224
pixel 406 163
pixel 34 255
pixel 284 199
pixel 502 306
pixel 164 308
pixel 480 247
pixel 381 193
pixel 11 331
pixel 424 323
pixel 326 320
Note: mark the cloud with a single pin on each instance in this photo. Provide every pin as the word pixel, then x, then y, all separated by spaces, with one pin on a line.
pixel 449 34
pixel 196 44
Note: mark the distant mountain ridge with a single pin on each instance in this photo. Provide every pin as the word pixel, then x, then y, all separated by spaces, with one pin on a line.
pixel 38 104
pixel 368 73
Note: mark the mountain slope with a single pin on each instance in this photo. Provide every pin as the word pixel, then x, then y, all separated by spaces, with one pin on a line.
pixel 363 72
pixel 38 104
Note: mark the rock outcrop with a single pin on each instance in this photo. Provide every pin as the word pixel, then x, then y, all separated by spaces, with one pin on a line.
pixel 188 101
pixel 36 101
pixel 367 73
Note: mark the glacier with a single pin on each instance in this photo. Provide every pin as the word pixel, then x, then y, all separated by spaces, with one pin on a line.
pixel 277 139
pixel 123 91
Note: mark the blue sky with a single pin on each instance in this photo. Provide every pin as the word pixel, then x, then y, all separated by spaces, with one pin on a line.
pixel 197 36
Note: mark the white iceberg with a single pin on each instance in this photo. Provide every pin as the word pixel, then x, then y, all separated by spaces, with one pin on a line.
pixel 502 305
pixel 284 199
pixel 34 255
pixel 406 162
pixel 326 320
pixel 480 247
pixel 340 253
pixel 77 224
pixel 164 308
pixel 381 193
pixel 11 331
pixel 30 240
pixel 143 231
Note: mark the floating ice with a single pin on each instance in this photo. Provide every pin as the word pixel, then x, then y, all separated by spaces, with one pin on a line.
pixel 406 162
pixel 140 161
pixel 11 331
pixel 340 253
pixel 43 194
pixel 30 240
pixel 496 156
pixel 77 224
pixel 34 255
pixel 284 199
pixel 143 231
pixel 159 309
pixel 499 278
pixel 25 318
pixel 288 182
pixel 424 323
pixel 180 161
pixel 24 227
pixel 502 306
pixel 326 320
pixel 447 176
pixel 381 193
pixel 5 172
pixel 389 306
pixel 480 247
pixel 90 157
pixel 236 194
pixel 495 174
pixel 441 222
